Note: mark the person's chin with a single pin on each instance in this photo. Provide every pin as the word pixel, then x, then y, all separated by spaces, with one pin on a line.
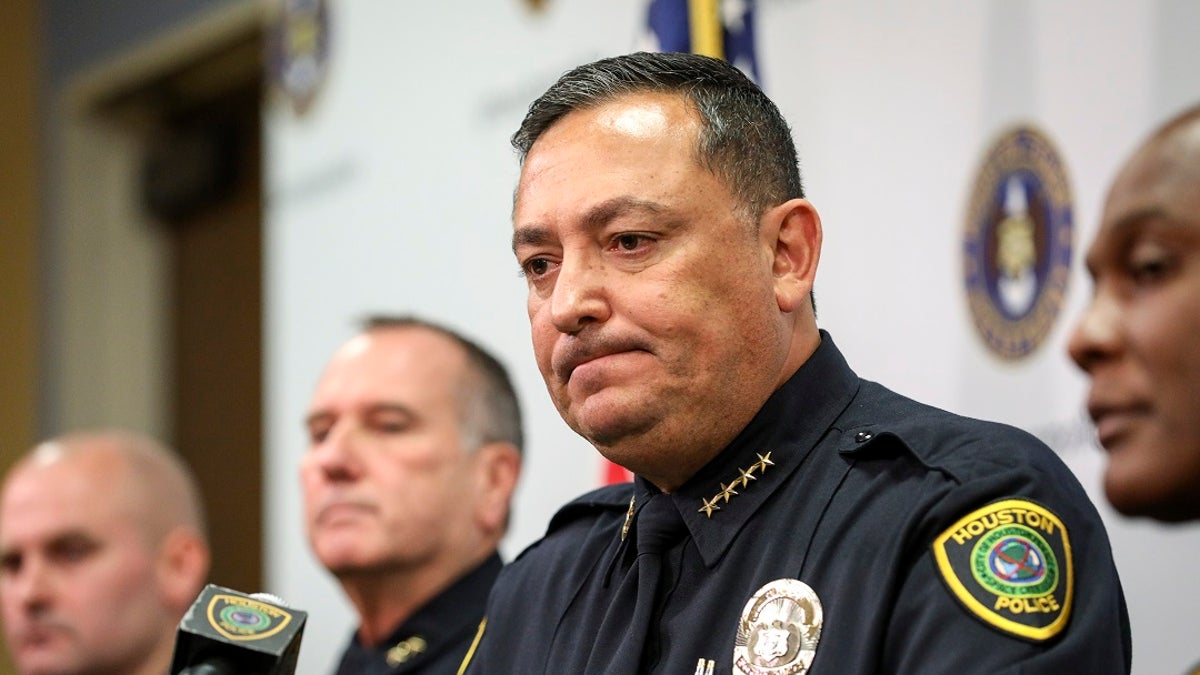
pixel 609 422
pixel 1137 488
pixel 47 658
pixel 345 554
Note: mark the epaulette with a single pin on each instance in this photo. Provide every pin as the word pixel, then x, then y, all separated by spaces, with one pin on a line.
pixel 608 498
pixel 880 420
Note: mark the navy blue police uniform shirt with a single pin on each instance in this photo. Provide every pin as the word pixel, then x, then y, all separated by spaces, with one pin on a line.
pixel 436 638
pixel 846 530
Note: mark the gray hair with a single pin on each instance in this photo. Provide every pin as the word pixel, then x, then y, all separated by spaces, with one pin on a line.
pixel 744 139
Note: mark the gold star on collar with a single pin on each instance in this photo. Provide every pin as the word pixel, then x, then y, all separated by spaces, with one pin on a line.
pixel 405 650
pixel 727 491
pixel 710 505
pixel 764 462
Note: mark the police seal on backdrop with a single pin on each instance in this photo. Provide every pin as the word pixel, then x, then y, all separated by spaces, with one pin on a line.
pixel 1017 242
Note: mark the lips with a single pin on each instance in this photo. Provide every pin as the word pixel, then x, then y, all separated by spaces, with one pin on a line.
pixel 340 509
pixel 1115 420
pixel 41 632
pixel 571 352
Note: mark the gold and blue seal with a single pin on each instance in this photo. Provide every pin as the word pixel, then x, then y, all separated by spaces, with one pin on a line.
pixel 1017 242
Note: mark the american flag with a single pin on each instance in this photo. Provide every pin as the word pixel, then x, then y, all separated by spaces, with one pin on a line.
pixel 723 29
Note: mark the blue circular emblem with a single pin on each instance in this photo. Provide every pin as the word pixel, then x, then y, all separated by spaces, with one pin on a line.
pixel 1017 244
pixel 1017 561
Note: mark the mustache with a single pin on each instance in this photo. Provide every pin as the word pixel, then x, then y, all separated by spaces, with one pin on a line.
pixel 572 351
pixel 42 621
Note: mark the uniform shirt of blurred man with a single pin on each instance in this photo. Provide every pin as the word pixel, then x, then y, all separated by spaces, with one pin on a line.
pixel 414 454
pixel 102 550
pixel 1139 339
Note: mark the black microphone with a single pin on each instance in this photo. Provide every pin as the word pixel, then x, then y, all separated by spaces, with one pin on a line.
pixel 226 632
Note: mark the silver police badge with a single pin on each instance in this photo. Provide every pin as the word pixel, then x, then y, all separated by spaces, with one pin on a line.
pixel 779 630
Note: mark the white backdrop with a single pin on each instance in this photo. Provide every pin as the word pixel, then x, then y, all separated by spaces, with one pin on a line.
pixel 393 194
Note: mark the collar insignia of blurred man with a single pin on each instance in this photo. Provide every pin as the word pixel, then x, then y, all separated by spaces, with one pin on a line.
pixel 779 630
pixel 1009 563
pixel 1017 243
pixel 404 650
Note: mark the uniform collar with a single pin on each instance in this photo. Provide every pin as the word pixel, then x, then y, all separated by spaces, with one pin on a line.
pixel 720 499
pixel 439 623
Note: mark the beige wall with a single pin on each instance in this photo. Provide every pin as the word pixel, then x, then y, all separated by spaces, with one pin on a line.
pixel 18 234
pixel 18 228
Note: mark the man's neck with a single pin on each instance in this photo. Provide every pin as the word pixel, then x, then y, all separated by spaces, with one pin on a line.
pixel 385 601
pixel 157 661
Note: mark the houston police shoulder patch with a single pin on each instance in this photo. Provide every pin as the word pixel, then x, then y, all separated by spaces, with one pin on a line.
pixel 1017 242
pixel 1009 563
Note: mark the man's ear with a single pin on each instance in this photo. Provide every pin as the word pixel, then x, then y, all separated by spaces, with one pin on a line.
pixel 499 466
pixel 183 564
pixel 792 230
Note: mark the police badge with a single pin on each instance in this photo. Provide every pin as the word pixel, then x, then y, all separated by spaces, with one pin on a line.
pixel 779 630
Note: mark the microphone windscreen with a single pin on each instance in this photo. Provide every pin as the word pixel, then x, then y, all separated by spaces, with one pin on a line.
pixel 226 632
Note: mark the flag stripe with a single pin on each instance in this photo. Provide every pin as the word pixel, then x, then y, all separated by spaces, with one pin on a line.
pixel 708 35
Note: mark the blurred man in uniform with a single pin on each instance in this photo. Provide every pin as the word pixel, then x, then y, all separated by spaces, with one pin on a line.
pixel 786 516
pixel 103 550
pixel 415 448
pixel 1139 339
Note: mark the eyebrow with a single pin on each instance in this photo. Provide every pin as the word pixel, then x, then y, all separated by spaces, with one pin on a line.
pixel 316 416
pixel 67 537
pixel 1124 228
pixel 1140 216
pixel 373 409
pixel 596 218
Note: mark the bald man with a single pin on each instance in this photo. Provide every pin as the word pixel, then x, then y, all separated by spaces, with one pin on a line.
pixel 103 549
pixel 1137 339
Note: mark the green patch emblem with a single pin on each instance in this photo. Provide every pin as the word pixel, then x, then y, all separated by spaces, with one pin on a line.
pixel 1009 564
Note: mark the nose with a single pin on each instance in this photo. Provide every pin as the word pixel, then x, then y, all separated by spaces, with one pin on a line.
pixel 336 455
pixel 580 295
pixel 1097 335
pixel 32 584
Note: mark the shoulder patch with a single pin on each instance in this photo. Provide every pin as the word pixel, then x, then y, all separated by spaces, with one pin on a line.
pixel 1009 563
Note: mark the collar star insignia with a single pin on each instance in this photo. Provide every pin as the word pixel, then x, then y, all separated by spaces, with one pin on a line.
pixel 628 518
pixel 764 462
pixel 710 505
pixel 728 491
pixel 405 650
